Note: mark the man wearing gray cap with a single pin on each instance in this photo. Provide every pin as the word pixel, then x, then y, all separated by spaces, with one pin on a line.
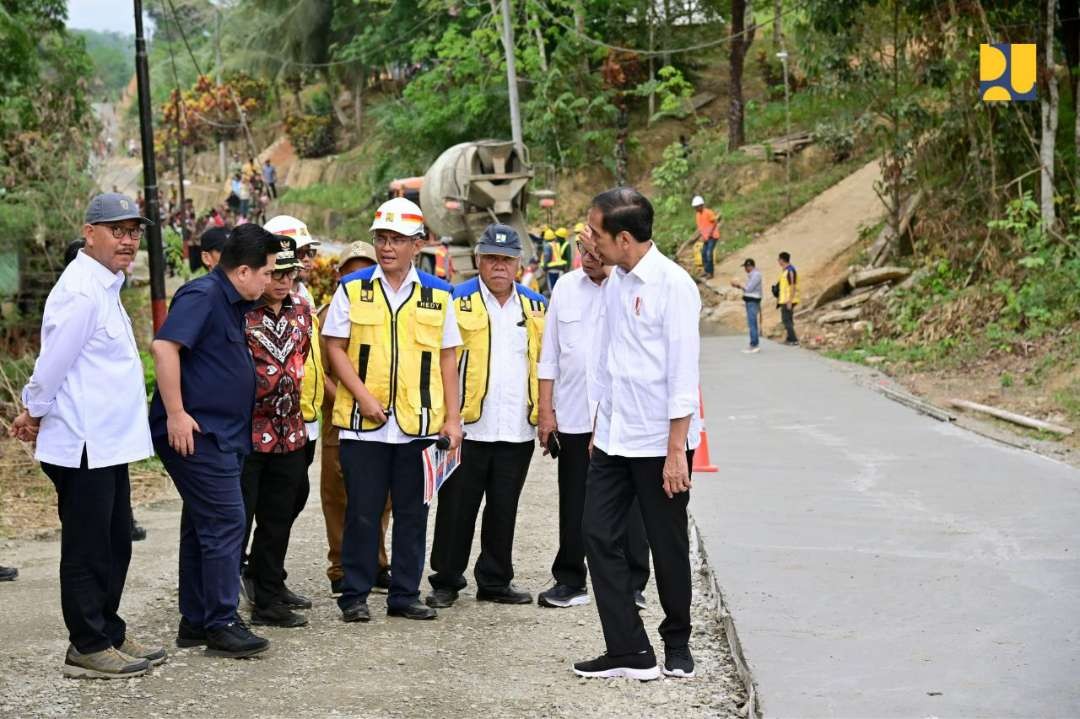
pixel 501 325
pixel 85 405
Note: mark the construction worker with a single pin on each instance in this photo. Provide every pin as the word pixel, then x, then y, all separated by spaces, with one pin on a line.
pixel 390 337
pixel 788 297
pixel 554 258
pixel 708 231
pixel 501 324
pixel 570 352
pixel 579 234
pixel 357 256
pixel 444 267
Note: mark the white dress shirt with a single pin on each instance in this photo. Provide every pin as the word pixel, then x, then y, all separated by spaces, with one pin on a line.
pixel 505 413
pixel 570 349
pixel 650 346
pixel 87 385
pixel 337 325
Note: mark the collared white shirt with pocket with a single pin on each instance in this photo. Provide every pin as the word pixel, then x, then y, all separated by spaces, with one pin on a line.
pixel 648 373
pixel 88 386
pixel 505 413
pixel 338 325
pixel 570 349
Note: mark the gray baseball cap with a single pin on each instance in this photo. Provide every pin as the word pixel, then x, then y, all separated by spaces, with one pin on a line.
pixel 499 240
pixel 113 207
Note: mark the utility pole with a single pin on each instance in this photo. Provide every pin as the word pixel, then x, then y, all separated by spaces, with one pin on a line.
pixel 180 171
pixel 150 189
pixel 222 165
pixel 511 80
pixel 787 120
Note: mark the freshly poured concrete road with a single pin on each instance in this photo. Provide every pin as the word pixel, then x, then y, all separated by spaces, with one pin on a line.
pixel 878 563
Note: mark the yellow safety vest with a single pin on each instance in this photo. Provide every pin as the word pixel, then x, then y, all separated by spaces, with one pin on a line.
pixel 558 255
pixel 474 356
pixel 396 355
pixel 314 385
pixel 786 293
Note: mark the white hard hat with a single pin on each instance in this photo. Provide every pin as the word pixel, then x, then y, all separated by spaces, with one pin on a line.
pixel 401 216
pixel 698 201
pixel 291 227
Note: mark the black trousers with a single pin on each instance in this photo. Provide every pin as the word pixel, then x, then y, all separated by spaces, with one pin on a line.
pixel 95 549
pixel 569 565
pixel 613 484
pixel 372 470
pixel 788 318
pixel 495 471
pixel 274 485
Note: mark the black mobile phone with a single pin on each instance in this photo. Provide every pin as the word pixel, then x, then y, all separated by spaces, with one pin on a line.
pixel 553 446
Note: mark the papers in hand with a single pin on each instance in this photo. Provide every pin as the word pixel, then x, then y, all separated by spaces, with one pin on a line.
pixel 439 464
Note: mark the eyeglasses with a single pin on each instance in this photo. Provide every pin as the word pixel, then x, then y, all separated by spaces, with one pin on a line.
pixel 305 253
pixel 586 251
pixel 398 241
pixel 279 275
pixel 118 231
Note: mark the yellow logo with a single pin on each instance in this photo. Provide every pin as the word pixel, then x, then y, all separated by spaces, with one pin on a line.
pixel 1007 72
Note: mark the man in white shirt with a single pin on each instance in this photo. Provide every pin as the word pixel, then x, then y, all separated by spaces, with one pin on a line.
pixel 390 338
pixel 567 378
pixel 501 324
pixel 643 443
pixel 86 406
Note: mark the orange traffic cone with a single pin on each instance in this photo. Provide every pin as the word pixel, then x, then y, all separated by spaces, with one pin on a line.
pixel 701 455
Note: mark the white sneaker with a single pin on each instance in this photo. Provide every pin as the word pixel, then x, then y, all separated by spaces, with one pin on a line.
pixel 751 350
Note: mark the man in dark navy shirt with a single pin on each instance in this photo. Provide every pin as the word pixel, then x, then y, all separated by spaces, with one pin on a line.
pixel 200 421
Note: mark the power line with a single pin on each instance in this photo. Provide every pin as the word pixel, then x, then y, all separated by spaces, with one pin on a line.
pixel 653 53
pixel 183 35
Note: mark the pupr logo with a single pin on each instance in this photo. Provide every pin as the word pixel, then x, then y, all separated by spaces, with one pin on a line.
pixel 1007 72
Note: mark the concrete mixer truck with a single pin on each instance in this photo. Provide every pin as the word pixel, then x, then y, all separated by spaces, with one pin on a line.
pixel 468 187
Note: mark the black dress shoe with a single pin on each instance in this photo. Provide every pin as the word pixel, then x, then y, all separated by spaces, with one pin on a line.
pixel 356 612
pixel 8 574
pixel 336 586
pixel 441 598
pixel 277 615
pixel 138 534
pixel 188 636
pixel 416 610
pixel 383 580
pixel 234 641
pixel 504 595
pixel 293 600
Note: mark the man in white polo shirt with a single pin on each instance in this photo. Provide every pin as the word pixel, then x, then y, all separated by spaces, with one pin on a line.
pixel 643 444
pixel 567 380
pixel 86 406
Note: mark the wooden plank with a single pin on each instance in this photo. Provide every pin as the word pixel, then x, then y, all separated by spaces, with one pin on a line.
pixel 1022 420
pixel 916 404
pixel 877 276
pixel 840 316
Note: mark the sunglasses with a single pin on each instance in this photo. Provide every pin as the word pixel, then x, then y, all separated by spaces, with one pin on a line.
pixel 285 274
pixel 305 253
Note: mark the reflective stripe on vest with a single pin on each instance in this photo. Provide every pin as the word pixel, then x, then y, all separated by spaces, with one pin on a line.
pixel 396 355
pixel 558 255
pixel 314 384
pixel 474 356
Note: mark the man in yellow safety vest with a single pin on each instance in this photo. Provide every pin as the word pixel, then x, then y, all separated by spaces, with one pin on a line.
pixel 390 338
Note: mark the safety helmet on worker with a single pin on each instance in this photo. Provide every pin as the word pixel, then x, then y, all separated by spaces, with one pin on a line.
pixel 561 233
pixel 289 226
pixel 698 201
pixel 549 234
pixel 579 228
pixel 401 216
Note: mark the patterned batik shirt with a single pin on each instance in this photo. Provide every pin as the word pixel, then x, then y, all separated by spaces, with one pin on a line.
pixel 279 344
